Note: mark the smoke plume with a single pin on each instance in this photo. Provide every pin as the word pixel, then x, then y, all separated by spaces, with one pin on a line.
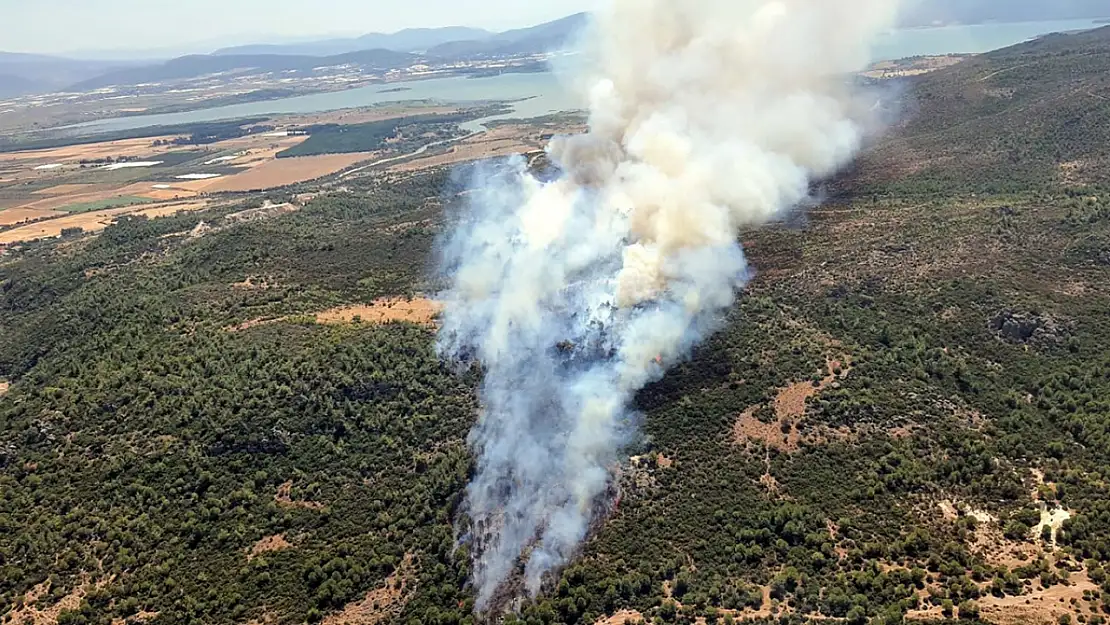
pixel 705 117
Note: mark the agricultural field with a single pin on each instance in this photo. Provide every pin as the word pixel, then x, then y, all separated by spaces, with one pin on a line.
pixel 269 173
pixel 115 177
pixel 106 178
pixel 91 221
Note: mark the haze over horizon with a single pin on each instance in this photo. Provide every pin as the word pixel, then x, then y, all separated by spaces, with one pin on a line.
pixel 68 27
pixel 143 30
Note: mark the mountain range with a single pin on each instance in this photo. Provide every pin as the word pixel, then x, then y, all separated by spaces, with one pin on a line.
pixel 409 40
pixel 202 64
pixel 22 74
pixel 281 58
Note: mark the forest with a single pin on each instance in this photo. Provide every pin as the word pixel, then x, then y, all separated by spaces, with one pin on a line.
pixel 916 378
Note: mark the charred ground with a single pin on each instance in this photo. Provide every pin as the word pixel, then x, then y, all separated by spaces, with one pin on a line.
pixel 960 269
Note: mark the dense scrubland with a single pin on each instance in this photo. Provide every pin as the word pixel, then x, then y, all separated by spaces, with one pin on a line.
pixel 163 459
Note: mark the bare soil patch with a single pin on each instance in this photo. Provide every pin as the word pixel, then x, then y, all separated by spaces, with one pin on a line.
pixel 140 617
pixel 95 193
pixel 387 310
pixel 92 221
pixel 789 408
pixel 71 154
pixel 987 540
pixel 29 614
pixel 267 210
pixel 67 189
pixel 164 210
pixel 624 617
pixel 916 66
pixel 273 173
pixel 283 497
pixel 1079 172
pixel 57 202
pixel 382 603
pixel 13 216
pixel 54 199
pixel 1042 606
pixel 4 386
pixel 416 310
pixel 253 283
pixel 89 222
pixel 749 428
pixel 148 190
pixel 1053 519
pixel 276 542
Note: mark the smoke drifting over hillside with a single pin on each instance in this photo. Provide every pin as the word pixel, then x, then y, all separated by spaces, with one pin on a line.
pixel 705 117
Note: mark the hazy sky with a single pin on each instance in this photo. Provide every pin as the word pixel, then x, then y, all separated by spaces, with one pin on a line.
pixel 53 26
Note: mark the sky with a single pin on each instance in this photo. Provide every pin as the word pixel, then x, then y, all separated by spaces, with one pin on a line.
pixel 66 26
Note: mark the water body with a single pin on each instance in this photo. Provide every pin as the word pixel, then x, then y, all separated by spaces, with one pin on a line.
pixel 542 94
pixel 968 39
pixel 536 94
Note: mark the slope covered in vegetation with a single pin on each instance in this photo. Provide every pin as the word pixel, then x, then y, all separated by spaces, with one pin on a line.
pixel 899 413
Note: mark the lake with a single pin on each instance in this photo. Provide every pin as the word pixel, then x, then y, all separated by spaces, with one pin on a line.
pixel 541 93
pixel 968 39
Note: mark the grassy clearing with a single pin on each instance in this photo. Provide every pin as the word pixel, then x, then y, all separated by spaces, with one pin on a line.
pixel 113 202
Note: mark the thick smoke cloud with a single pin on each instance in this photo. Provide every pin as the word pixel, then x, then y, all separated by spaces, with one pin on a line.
pixel 706 117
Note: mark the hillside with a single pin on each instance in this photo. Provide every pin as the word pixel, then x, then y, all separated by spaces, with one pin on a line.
pixel 535 40
pixel 11 86
pixel 905 418
pixel 408 40
pixel 30 73
pixel 200 65
pixel 444 43
pixel 22 74
pixel 1035 113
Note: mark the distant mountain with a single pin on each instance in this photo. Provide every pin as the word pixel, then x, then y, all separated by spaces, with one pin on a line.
pixel 13 86
pixel 410 40
pixel 200 65
pixel 21 74
pixel 928 12
pixel 535 40
pixel 9 58
pixel 456 42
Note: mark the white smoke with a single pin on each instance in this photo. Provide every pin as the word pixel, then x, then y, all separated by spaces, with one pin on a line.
pixel 706 116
